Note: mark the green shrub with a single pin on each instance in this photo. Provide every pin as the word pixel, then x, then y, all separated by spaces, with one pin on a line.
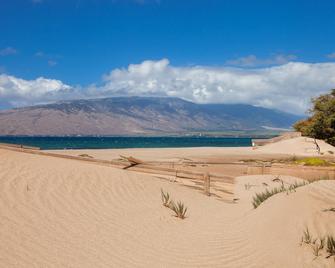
pixel 321 123
pixel 313 161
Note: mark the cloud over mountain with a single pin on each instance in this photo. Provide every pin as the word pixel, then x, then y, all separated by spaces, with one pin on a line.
pixel 287 87
pixel 20 92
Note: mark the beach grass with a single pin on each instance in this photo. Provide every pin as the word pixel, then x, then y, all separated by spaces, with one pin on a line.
pixel 330 245
pixel 259 198
pixel 319 244
pixel 179 209
pixel 165 198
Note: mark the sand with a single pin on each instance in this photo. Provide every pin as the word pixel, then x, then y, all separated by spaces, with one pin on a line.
pixel 65 213
pixel 300 146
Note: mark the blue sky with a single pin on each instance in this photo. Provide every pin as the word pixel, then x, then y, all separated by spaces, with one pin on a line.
pixel 79 42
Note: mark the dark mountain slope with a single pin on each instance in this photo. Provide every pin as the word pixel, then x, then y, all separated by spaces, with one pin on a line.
pixel 136 116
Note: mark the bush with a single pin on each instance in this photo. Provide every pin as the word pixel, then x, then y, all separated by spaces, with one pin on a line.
pixel 314 161
pixel 321 123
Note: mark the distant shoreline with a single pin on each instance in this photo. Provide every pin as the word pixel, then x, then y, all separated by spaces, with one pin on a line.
pixel 89 142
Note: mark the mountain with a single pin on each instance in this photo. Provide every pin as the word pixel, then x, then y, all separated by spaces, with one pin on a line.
pixel 137 116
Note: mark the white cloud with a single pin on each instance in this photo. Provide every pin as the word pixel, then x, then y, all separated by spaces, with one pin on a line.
pixel 19 92
pixel 253 61
pixel 286 87
pixel 8 51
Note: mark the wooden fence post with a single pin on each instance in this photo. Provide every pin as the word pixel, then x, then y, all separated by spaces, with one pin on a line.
pixel 207 183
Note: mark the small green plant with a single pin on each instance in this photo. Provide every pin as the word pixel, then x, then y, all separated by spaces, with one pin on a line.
pixel 165 198
pixel 314 161
pixel 330 246
pixel 294 186
pixel 179 209
pixel 259 198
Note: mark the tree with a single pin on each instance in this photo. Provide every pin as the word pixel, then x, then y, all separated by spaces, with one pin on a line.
pixel 321 123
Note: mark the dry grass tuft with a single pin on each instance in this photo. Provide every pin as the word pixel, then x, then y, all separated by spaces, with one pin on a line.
pixel 330 246
pixel 180 209
pixel 306 238
pixel 319 244
pixel 165 198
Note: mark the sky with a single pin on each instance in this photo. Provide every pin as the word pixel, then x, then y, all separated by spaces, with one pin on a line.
pixel 270 53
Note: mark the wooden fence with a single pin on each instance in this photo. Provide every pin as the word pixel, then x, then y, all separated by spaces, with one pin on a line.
pixel 143 167
pixel 204 178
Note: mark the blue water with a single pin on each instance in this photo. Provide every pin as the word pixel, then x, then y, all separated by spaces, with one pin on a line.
pixel 48 143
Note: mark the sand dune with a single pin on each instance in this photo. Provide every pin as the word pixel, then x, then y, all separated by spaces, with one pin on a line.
pixel 298 146
pixel 63 213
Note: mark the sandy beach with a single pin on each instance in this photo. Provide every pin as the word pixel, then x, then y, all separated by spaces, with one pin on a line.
pixel 300 146
pixel 67 213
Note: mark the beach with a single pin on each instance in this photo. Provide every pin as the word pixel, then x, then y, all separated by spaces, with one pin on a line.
pixel 66 213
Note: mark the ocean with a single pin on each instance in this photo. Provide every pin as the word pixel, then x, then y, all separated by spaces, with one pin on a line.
pixel 54 143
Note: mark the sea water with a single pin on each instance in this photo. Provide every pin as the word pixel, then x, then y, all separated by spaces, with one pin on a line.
pixel 50 143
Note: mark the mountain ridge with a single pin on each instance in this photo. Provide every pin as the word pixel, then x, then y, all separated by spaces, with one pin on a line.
pixel 136 116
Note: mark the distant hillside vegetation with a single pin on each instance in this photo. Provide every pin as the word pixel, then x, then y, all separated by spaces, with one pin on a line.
pixel 137 116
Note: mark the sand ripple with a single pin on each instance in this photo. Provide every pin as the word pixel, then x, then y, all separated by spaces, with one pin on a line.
pixel 62 213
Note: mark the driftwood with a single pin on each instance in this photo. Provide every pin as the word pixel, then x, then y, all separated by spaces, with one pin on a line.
pixel 132 160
